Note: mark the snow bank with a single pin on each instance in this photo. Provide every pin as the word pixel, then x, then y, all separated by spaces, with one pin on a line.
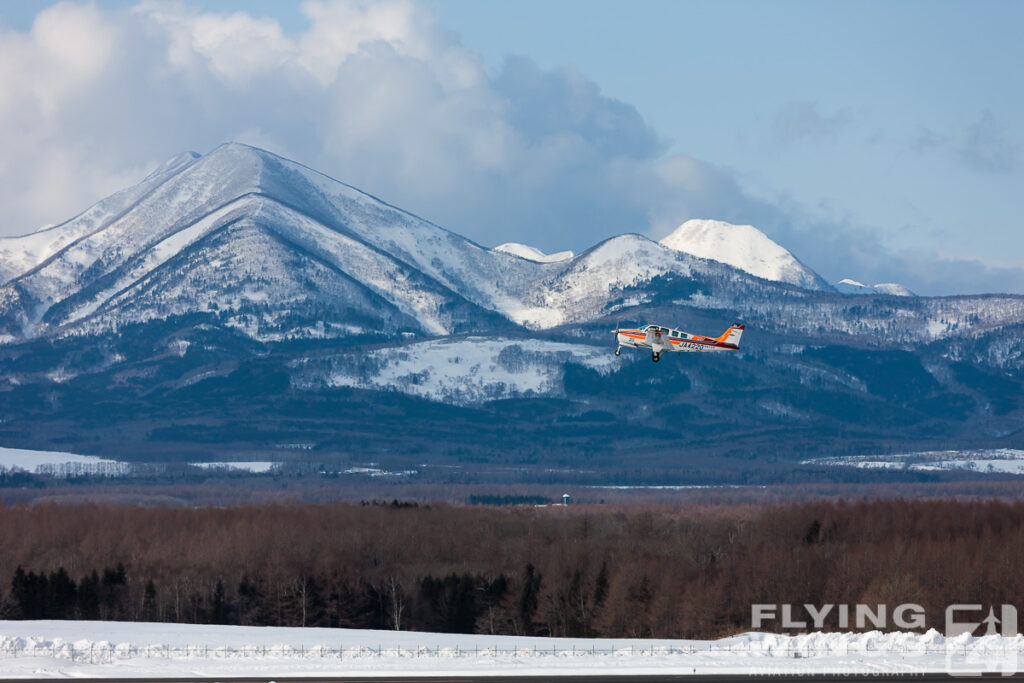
pixel 109 649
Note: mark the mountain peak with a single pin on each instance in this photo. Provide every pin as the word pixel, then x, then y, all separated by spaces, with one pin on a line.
pixel 173 165
pixel 744 247
pixel 532 253
pixel 850 286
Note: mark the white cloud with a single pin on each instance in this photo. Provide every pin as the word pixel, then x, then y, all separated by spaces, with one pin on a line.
pixel 379 95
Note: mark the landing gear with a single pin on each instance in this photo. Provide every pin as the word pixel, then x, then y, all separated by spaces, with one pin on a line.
pixel 618 350
pixel 655 357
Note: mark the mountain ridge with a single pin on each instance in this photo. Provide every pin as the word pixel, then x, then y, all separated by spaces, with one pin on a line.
pixel 100 254
pixel 425 280
pixel 232 298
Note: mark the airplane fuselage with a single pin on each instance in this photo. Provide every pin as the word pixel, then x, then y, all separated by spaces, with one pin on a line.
pixel 662 339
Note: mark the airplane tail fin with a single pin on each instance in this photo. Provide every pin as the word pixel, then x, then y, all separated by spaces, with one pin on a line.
pixel 733 334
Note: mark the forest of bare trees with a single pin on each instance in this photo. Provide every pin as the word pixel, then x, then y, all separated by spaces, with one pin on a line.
pixel 590 570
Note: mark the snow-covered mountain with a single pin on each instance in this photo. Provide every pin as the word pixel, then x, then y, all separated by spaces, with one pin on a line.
pixel 848 286
pixel 533 253
pixel 277 250
pixel 267 295
pixel 744 247
pixel 257 239
pixel 244 240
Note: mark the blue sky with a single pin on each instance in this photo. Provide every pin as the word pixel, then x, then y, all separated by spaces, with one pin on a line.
pixel 876 140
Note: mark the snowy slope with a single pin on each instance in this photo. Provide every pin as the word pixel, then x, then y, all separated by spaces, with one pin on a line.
pixel 269 245
pixel 240 228
pixel 18 255
pixel 893 288
pixel 597 281
pixel 245 240
pixel 744 247
pixel 848 286
pixel 461 371
pixel 532 253
pixel 82 649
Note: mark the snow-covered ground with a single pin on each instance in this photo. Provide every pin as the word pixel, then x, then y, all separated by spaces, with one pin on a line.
pixel 255 466
pixel 59 649
pixel 996 460
pixel 52 462
pixel 472 370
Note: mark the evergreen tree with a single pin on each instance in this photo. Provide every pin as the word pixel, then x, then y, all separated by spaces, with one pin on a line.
pixel 528 599
pixel 220 609
pixel 149 608
pixel 61 596
pixel 89 596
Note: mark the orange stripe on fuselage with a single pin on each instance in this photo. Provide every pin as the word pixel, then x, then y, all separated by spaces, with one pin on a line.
pixel 703 341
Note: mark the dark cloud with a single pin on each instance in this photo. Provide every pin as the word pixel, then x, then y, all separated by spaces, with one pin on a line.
pixel 544 105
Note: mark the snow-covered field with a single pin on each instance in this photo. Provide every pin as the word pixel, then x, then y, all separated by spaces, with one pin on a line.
pixel 255 466
pixel 52 462
pixel 39 649
pixel 69 464
pixel 998 460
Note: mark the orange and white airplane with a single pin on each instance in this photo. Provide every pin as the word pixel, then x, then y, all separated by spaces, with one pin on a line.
pixel 661 339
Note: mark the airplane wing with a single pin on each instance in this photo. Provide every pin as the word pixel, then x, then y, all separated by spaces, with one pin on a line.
pixel 658 340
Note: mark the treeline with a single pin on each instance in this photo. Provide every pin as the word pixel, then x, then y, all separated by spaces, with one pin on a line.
pixel 58 596
pixel 611 570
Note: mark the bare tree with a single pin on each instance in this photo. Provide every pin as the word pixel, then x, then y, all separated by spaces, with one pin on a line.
pixel 396 601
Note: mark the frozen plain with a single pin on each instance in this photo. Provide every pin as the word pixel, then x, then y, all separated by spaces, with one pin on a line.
pixel 77 649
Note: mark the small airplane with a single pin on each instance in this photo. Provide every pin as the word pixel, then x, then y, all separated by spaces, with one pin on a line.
pixel 661 339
